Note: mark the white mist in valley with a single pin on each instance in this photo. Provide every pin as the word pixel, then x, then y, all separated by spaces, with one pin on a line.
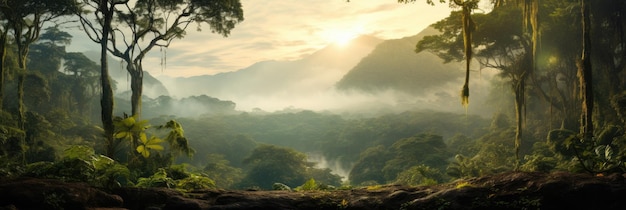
pixel 311 83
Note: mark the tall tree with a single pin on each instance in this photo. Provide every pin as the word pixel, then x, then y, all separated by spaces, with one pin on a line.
pixel 4 31
pixel 84 74
pixel 103 17
pixel 608 29
pixel 26 19
pixel 145 24
pixel 526 63
pixel 585 73
pixel 530 11
pixel 47 53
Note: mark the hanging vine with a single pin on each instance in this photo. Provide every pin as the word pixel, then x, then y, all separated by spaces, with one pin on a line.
pixel 468 28
pixel 530 20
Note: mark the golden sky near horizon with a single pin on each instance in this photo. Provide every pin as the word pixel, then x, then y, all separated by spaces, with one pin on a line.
pixel 287 30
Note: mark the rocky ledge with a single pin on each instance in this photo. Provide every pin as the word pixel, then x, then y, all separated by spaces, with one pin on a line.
pixel 514 190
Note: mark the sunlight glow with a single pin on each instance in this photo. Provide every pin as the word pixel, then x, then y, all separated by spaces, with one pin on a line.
pixel 340 36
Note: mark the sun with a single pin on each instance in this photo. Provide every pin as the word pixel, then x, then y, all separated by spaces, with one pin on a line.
pixel 340 37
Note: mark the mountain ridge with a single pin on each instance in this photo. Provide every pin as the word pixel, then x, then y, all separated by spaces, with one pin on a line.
pixel 395 65
pixel 368 75
pixel 271 76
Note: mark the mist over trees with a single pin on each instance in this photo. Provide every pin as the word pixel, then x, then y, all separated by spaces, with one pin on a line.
pixel 65 115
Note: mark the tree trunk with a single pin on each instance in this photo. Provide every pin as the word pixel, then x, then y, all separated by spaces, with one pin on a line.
pixel 21 119
pixel 21 78
pixel 136 86
pixel 106 101
pixel 3 54
pixel 519 115
pixel 585 74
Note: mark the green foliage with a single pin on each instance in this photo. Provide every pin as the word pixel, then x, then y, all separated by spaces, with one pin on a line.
pixel 324 176
pixel 196 182
pixel 383 165
pixel 129 129
pixel 177 177
pixel 78 152
pixel 270 164
pixel 10 141
pixel 420 175
pixel 79 163
pixel 220 170
pixel 135 133
pixel 176 138
pixel 158 179
pixel 309 185
pixel 593 155
pixel 146 145
pixel 462 167
pixel 426 149
pixel 542 159
pixel 463 184
pixel 370 165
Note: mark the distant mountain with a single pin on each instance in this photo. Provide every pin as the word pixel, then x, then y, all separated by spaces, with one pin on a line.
pixel 394 65
pixel 156 100
pixel 319 70
pixel 192 106
pixel 368 75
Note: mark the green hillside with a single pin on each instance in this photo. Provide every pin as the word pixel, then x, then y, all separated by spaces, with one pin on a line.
pixel 393 64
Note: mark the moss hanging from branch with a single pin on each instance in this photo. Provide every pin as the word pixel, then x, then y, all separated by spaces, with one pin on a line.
pixel 530 19
pixel 468 28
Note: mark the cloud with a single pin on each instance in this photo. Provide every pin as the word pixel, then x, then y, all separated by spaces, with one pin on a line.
pixel 289 30
pixel 281 30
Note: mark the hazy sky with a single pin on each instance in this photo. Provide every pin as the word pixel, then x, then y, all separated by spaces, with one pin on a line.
pixel 287 30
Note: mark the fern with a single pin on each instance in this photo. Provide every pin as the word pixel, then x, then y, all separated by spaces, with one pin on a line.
pixel 308 186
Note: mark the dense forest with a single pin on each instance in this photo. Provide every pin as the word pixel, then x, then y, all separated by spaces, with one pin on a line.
pixel 553 110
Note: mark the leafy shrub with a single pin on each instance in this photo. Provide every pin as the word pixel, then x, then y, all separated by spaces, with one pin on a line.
pixel 177 177
pixel 80 163
pixel 419 175
pixel 158 179
pixel 196 182
pixel 177 172
pixel 281 187
pixel 308 185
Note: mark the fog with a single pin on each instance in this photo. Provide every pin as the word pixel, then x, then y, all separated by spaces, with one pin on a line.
pixel 335 166
pixel 310 83
pixel 319 94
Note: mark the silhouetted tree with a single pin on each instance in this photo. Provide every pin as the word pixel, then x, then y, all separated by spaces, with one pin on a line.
pixel 156 23
pixel 26 19
pixel 99 31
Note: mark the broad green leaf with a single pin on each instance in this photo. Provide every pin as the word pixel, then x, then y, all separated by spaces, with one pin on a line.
pixel 122 135
pixel 154 147
pixel 101 162
pixel 143 138
pixel 128 122
pixel 143 150
pixel 80 152
pixel 608 152
pixel 154 143
pixel 147 145
pixel 598 150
